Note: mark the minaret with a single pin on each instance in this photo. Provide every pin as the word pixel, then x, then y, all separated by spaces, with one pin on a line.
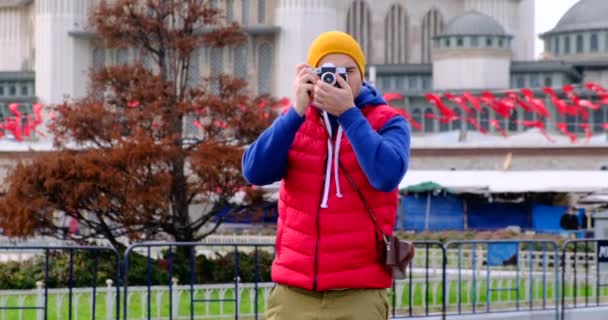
pixel 301 21
pixel 62 57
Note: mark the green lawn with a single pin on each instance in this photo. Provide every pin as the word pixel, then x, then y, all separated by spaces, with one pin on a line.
pixel 216 310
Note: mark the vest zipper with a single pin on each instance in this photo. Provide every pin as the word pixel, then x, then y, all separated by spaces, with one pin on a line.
pixel 314 281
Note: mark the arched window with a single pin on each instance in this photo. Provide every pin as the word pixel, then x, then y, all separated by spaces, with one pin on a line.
pixel 579 43
pixel 99 58
pixel 444 126
pixel 429 123
pixel 512 124
pixel 194 69
pixel 396 28
pixel 474 116
pixel 217 61
pixel 261 11
pixel 594 43
pixel 573 123
pixel 245 8
pixel 240 61
pixel 484 119
pixel 229 11
pixel 600 116
pixel 417 115
pixel 264 68
pixel 122 56
pixel 556 45
pixel 457 124
pixel 432 25
pixel 359 25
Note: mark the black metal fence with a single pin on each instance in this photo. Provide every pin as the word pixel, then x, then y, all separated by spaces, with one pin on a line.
pixel 171 280
pixel 584 281
pixel 54 267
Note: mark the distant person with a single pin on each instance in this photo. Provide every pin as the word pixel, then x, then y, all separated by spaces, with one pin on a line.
pixel 569 220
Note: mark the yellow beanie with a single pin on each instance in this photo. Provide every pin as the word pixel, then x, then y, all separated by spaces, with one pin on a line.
pixel 336 42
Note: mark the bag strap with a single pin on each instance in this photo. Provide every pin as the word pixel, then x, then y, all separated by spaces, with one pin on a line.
pixel 369 209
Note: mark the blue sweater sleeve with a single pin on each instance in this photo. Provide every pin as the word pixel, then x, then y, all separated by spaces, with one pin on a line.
pixel 265 161
pixel 383 155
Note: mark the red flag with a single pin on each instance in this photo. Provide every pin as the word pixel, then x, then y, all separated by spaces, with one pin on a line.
pixel 221 124
pixel 515 98
pixel 447 114
pixel 538 104
pixel 133 104
pixel 198 124
pixel 599 90
pixel 582 104
pixel 562 107
pixel 390 96
pixel 475 124
pixel 460 101
pixel 262 104
pixel 563 127
pixel 435 117
pixel 33 121
pixel 539 125
pixel 284 102
pixel 497 125
pixel 73 226
pixel 587 128
pixel 409 118
pixel 14 107
pixel 29 125
pixel 473 101
pixel 498 106
pixel 14 125
pixel 37 108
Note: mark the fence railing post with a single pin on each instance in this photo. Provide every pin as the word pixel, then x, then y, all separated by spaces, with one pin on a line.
pixel 174 298
pixel 110 299
pixel 40 299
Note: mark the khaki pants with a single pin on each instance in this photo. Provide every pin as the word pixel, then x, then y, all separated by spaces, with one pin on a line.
pixel 290 303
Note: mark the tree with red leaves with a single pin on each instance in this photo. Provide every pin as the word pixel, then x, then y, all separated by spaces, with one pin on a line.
pixel 125 166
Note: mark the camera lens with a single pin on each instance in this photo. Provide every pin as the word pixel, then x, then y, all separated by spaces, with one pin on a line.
pixel 329 78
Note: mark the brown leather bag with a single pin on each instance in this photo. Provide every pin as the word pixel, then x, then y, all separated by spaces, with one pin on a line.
pixel 395 254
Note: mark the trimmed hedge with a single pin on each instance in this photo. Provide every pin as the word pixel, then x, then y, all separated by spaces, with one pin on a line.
pixel 219 268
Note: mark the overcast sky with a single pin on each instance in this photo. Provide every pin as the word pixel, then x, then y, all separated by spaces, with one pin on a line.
pixel 548 12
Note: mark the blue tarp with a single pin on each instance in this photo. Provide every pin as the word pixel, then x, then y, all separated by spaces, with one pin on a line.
pixel 484 215
pixel 546 218
pixel 445 214
pixel 500 253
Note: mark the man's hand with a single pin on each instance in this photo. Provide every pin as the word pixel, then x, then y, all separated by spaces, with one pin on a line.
pixel 334 100
pixel 304 87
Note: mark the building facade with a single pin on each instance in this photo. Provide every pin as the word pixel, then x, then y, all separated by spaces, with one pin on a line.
pixel 412 47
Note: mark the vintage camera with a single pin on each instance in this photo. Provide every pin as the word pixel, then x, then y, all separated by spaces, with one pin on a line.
pixel 327 73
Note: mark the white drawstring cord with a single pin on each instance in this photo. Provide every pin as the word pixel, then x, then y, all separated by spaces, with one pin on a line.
pixel 329 161
pixel 337 163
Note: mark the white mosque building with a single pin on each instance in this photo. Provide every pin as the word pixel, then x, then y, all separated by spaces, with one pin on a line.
pixel 412 46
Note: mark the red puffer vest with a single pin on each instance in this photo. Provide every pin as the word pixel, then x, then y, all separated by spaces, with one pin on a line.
pixel 335 247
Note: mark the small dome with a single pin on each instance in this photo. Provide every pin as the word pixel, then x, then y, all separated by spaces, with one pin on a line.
pixel 584 15
pixel 473 23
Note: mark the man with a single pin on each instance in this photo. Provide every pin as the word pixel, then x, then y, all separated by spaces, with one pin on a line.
pixel 327 254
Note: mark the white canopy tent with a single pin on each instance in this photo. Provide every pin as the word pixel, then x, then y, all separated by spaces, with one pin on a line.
pixel 482 182
pixel 488 182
